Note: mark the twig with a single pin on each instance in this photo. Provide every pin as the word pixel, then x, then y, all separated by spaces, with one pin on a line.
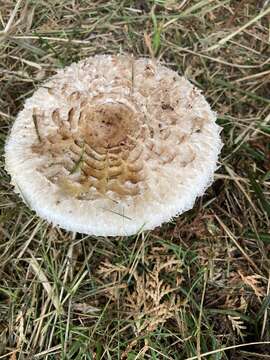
pixel 229 348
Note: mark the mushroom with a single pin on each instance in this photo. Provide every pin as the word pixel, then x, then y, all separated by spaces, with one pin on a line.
pixel 112 145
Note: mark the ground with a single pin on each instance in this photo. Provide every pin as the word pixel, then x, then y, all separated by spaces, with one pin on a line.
pixel 198 285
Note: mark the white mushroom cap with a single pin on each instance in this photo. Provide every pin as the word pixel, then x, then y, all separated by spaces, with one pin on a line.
pixel 111 146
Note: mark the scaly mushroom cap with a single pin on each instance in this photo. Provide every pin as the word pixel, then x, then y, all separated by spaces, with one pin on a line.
pixel 113 145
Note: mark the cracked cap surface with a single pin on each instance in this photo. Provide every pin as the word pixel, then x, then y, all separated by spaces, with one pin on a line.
pixel 112 145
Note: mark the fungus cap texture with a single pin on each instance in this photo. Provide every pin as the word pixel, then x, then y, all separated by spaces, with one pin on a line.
pixel 112 145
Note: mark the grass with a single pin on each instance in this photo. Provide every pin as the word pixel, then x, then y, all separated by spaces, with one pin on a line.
pixel 70 296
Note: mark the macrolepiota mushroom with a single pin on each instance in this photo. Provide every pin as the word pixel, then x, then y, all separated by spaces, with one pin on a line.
pixel 112 145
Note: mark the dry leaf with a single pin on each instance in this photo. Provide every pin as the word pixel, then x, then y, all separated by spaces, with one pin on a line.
pixel 237 325
pixel 253 281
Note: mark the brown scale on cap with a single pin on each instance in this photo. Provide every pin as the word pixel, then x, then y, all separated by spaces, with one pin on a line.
pixel 104 144
pixel 101 145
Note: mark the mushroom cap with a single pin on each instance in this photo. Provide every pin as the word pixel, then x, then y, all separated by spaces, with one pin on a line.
pixel 112 145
